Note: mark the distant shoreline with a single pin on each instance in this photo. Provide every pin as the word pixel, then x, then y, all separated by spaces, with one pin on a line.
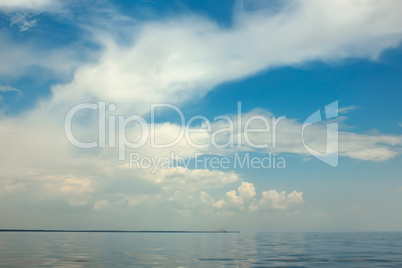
pixel 108 231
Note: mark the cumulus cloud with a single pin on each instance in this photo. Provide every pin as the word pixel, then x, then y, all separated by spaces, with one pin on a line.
pixel 244 199
pixel 271 200
pixel 181 188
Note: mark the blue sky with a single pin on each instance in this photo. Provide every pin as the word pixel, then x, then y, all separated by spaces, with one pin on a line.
pixel 278 58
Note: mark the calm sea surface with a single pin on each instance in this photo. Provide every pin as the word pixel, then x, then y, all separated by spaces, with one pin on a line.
pixel 209 250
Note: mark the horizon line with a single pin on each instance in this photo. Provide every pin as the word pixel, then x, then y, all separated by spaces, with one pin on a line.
pixel 110 231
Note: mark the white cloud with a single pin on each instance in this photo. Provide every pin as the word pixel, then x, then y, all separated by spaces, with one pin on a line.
pixel 245 200
pixel 37 5
pixel 8 89
pixel 271 200
pixel 58 158
pixel 24 21
pixel 369 147
pixel 178 59
pixel 376 147
pixel 347 109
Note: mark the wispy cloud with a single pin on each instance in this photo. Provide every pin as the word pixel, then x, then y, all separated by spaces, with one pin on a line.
pixel 24 21
pixel 347 109
pixel 8 88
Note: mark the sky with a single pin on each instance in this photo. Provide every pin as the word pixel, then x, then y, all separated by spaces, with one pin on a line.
pixel 253 115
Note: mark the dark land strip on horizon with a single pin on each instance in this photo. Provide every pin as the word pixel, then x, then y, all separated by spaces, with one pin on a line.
pixel 109 231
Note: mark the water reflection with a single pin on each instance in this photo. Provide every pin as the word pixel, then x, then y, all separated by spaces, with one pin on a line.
pixel 205 250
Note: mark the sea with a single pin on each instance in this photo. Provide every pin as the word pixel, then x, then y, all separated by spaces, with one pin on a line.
pixel 337 249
